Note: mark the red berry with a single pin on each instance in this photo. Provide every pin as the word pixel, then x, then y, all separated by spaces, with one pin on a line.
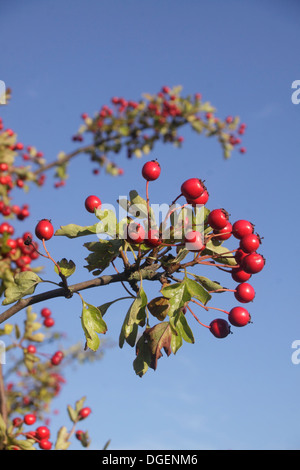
pixel 253 263
pixel 135 233
pixel 239 255
pixel 250 243
pixel 44 229
pixel 31 349
pixel 48 322
pixel 220 328
pixel 241 228
pixel 239 316
pixel 29 419
pixel 46 312
pixel 239 275
pixel 42 432
pixel 79 434
pixel 17 422
pixel 57 358
pixel 153 238
pixel 151 170
pixel 194 241
pixel 217 219
pixel 45 444
pixel 244 292
pixel 224 233
pixel 202 199
pixel 192 188
pixel 91 203
pixel 85 412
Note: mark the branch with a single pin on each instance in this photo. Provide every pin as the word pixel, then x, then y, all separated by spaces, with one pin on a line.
pixel 149 273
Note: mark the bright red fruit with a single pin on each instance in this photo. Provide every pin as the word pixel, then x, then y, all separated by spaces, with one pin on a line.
pixel 31 349
pixel 250 243
pixel 45 444
pixel 194 241
pixel 29 419
pixel 48 322
pixel 239 316
pixel 135 233
pixel 224 233
pixel 46 312
pixel 244 292
pixel 44 229
pixel 17 422
pixel 220 328
pixel 85 412
pixel 192 188
pixel 253 263
pixel 239 275
pixel 202 199
pixel 42 432
pixel 241 228
pixel 57 358
pixel 217 219
pixel 91 203
pixel 151 170
pixel 153 238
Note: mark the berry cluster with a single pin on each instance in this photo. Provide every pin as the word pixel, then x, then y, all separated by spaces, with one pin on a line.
pixel 14 251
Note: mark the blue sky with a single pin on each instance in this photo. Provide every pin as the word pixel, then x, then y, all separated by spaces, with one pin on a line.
pixel 62 58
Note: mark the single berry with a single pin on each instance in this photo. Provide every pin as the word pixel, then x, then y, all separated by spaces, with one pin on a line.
pixel 217 219
pixel 29 419
pixel 239 255
pixel 17 422
pixel 224 233
pixel 31 349
pixel 239 316
pixel 46 312
pixel 244 292
pixel 201 200
pixel 42 432
pixel 153 238
pixel 151 170
pixel 135 233
pixel 220 328
pixel 85 412
pixel 48 322
pixel 44 229
pixel 194 241
pixel 253 263
pixel 239 275
pixel 45 444
pixel 79 434
pixel 192 188
pixel 91 203
pixel 241 228
pixel 250 243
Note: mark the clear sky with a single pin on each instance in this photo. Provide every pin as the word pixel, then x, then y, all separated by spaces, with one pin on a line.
pixel 62 58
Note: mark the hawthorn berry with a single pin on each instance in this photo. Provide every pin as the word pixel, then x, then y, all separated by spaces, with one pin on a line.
pixel 224 233
pixel 44 229
pixel 79 434
pixel 42 432
pixel 239 255
pixel 244 292
pixel 17 422
pixel 29 419
pixel 253 263
pixel 241 228
pixel 220 328
pixel 48 322
pixel 84 412
pixel 239 316
pixel 202 199
pixel 135 233
pixel 45 444
pixel 239 275
pixel 46 312
pixel 153 238
pixel 217 219
pixel 151 170
pixel 192 188
pixel 250 243
pixel 31 349
pixel 91 203
pixel 194 241
pixel 57 358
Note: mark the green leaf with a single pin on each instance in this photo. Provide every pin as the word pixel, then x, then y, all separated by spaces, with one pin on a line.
pixel 178 294
pixel 214 248
pixel 73 415
pixel 143 357
pixel 25 284
pixel 208 284
pixel 135 316
pixel 92 324
pixel 74 231
pixel 108 222
pixel 62 442
pixel 197 291
pixel 158 337
pixel 184 329
pixel 104 307
pixel 102 253
pixel 67 267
